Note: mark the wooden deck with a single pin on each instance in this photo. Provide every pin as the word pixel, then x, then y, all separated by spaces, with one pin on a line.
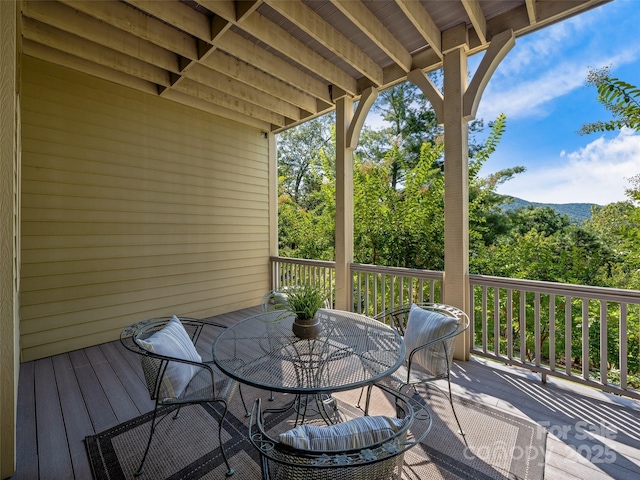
pixel 63 399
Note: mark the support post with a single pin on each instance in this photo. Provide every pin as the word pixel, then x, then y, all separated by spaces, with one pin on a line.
pixel 272 158
pixel 344 204
pixel 456 174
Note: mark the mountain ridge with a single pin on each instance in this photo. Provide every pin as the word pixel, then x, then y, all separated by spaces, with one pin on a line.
pixel 577 212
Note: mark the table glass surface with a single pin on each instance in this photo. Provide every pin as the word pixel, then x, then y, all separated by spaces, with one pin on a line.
pixel 351 350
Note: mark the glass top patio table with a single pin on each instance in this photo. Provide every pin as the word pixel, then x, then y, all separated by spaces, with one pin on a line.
pixel 351 351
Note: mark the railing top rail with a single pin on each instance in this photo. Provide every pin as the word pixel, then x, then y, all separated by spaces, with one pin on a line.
pixel 575 291
pixel 302 261
pixel 401 271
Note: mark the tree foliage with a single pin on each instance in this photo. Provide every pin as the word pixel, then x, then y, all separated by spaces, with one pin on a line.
pixel 619 97
pixel 300 154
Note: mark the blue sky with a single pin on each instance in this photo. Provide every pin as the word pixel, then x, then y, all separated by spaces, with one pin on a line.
pixel 540 86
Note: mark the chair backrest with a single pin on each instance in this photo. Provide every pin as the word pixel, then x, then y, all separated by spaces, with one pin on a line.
pixel 154 366
pixel 436 357
pixel 379 460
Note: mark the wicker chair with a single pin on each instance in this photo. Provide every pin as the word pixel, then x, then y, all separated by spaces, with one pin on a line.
pixel 432 360
pixel 196 382
pixel 379 460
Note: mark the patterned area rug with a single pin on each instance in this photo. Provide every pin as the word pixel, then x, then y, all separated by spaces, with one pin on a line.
pixel 498 445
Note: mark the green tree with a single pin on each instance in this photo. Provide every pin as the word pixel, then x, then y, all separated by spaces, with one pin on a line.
pixel 409 123
pixel 622 99
pixel 631 228
pixel 300 153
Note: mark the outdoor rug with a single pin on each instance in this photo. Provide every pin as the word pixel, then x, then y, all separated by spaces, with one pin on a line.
pixel 498 445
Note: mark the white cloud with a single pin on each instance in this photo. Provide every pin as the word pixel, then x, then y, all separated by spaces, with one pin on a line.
pixel 542 48
pixel 597 173
pixel 528 98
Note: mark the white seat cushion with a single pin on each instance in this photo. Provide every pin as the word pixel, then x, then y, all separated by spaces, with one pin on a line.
pixel 423 327
pixel 353 434
pixel 173 341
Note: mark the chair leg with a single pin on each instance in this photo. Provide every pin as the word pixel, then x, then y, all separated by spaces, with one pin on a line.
pixel 140 470
pixel 244 405
pixel 367 400
pixel 357 405
pixel 224 454
pixel 460 431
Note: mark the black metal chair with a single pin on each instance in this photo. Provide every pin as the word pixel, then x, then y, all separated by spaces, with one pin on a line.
pixel 431 360
pixel 175 376
pixel 372 456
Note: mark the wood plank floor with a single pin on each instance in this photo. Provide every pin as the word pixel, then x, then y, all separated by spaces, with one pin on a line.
pixel 62 399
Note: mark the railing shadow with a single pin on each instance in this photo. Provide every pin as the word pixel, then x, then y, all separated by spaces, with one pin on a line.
pixel 601 434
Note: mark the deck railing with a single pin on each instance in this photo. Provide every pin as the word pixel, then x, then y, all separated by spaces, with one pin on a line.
pixel 585 334
pixel 287 272
pixel 376 289
pixel 373 288
pixel 589 335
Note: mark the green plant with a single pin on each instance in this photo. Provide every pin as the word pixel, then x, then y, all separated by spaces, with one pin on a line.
pixel 622 99
pixel 305 300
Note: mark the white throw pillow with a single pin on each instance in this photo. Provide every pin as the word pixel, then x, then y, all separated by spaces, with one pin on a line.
pixel 356 433
pixel 424 326
pixel 173 341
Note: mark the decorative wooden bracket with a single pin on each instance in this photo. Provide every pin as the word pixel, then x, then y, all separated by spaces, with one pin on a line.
pixel 430 91
pixel 364 105
pixel 500 45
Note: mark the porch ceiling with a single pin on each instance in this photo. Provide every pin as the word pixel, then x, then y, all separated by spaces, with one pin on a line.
pixel 268 63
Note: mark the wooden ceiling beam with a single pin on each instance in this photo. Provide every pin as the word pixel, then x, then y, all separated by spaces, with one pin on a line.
pixel 203 92
pixel 206 106
pixel 87 27
pixel 369 24
pixel 244 8
pixel 224 84
pixel 422 22
pixel 277 38
pixel 223 8
pixel 74 45
pixel 274 36
pixel 550 12
pixel 249 75
pixel 135 22
pixel 48 54
pixel 269 33
pixel 478 20
pixel 177 14
pixel 531 10
pixel 310 22
pixel 249 52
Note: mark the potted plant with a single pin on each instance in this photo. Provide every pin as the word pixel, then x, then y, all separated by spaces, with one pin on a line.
pixel 304 301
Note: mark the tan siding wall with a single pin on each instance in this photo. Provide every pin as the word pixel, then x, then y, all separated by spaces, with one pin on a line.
pixel 133 207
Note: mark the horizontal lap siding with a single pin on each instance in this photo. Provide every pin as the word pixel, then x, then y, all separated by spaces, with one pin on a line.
pixel 132 207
